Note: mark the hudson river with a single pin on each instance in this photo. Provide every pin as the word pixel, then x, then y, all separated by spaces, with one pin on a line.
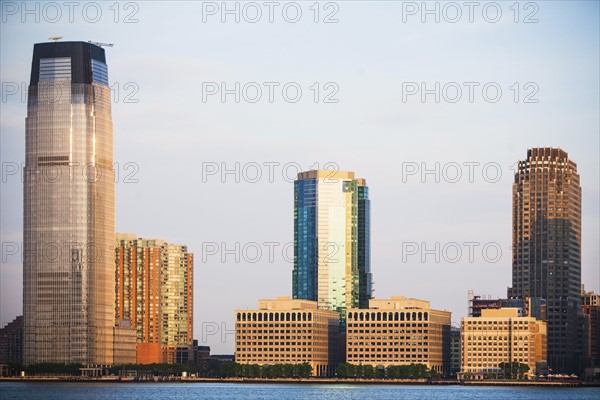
pixel 235 391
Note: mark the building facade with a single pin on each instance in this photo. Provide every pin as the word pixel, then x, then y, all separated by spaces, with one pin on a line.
pixel 454 351
pixel 591 309
pixel 201 355
pixel 332 240
pixel 547 248
pixel 69 207
pixel 399 331
pixel 177 305
pixel 154 290
pixel 288 331
pixel 502 336
pixel 530 307
pixel 11 342
pixel 125 341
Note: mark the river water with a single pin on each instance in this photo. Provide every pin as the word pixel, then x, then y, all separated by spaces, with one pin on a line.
pixel 237 391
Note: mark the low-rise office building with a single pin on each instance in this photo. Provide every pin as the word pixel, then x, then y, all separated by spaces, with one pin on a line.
pixel 502 336
pixel 288 331
pixel 399 331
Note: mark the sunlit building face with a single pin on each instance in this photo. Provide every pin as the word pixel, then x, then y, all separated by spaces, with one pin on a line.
pixel 547 247
pixel 69 207
pixel 155 291
pixel 332 240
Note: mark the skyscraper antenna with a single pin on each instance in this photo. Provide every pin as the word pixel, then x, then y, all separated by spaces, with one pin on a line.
pixel 100 44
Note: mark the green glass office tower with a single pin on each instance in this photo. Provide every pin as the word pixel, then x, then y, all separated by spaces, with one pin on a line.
pixel 332 240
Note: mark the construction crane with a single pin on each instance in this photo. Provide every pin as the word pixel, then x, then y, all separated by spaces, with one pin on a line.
pixel 100 44
pixel 55 38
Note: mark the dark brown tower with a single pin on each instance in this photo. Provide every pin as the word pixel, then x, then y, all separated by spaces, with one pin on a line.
pixel 547 247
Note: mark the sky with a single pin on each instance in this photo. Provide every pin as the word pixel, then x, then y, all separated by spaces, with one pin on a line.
pixel 217 106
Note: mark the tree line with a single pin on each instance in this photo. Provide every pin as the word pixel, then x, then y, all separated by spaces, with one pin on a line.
pixel 233 369
pixel 411 371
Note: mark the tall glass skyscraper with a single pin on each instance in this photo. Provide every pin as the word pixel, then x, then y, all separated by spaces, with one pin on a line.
pixel 332 260
pixel 547 248
pixel 69 207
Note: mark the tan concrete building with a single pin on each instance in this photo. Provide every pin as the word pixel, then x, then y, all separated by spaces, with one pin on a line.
pixel 288 331
pixel 502 336
pixel 399 331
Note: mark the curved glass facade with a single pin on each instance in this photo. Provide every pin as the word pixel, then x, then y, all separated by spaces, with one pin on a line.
pixel 332 240
pixel 69 210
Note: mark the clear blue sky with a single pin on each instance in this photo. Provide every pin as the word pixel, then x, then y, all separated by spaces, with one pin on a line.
pixel 172 135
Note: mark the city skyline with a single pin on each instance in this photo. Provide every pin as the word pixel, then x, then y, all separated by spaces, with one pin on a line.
pixel 370 131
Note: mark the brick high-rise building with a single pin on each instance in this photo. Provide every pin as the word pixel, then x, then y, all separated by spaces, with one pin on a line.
pixel 547 248
pixel 155 291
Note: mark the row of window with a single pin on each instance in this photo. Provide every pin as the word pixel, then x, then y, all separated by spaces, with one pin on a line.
pixel 388 356
pixel 277 316
pixel 411 338
pixel 258 356
pixel 380 331
pixel 293 337
pixel 384 350
pixel 296 327
pixel 261 343
pixel 387 316
pixel 487 362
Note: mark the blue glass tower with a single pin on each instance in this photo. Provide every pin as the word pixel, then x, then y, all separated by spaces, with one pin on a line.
pixel 332 240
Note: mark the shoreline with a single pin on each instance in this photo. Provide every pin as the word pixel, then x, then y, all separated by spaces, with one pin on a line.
pixel 311 381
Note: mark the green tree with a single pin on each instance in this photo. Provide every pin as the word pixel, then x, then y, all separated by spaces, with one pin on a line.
pixel 305 370
pixel 412 371
pixel 229 369
pixel 513 370
pixel 367 371
pixel 254 371
pixel 287 371
pixel 212 369
pixel 53 369
pixel 434 374
pixel 342 370
pixel 392 371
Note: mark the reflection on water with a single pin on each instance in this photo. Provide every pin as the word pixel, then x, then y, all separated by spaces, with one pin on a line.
pixel 160 391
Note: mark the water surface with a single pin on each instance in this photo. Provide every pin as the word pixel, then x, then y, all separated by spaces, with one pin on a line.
pixel 236 391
